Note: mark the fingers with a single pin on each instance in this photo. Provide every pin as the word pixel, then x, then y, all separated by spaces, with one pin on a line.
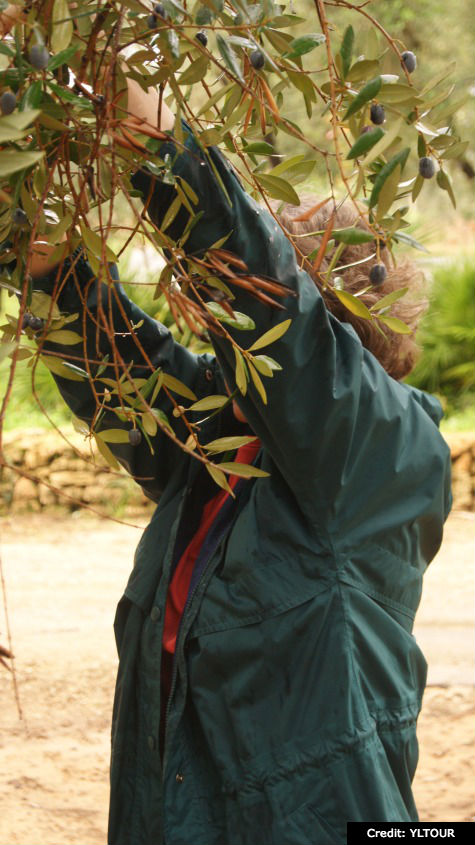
pixel 9 18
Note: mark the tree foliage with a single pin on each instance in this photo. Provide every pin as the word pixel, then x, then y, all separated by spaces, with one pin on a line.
pixel 247 77
pixel 447 337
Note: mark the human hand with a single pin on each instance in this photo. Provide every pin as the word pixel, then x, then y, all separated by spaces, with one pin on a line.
pixel 9 17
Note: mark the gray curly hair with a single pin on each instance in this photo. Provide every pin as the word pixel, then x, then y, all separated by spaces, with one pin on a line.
pixel 396 352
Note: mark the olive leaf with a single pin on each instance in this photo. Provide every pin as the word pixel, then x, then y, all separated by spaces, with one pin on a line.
pixel 113 435
pixel 209 403
pixel 398 93
pixel 444 182
pixel 63 336
pixel 383 144
pixel 270 336
pixel 417 187
pixel 106 453
pixel 214 99
pixel 455 150
pixel 236 321
pixel 62 26
pixel 177 386
pixel 6 349
pixel 42 305
pixel 395 324
pixel 367 93
pixel 362 69
pixel 265 365
pixel 64 368
pixel 229 57
pixel 398 160
pixel 149 423
pixel 389 299
pixel 226 444
pixel 240 372
pixel 171 213
pixel 421 146
pixel 243 470
pixel 303 44
pixel 355 305
pixel 365 142
pixel 149 385
pixel 258 148
pixel 388 192
pixel 95 245
pixel 62 58
pixel 12 161
pixel 194 72
pixel 346 49
pixel 257 381
pixel 297 169
pixel 278 188
pixel 352 236
pixel 219 477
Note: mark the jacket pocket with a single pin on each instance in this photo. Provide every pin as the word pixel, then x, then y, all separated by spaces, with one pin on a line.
pixel 257 688
pixel 309 799
pixel 269 820
pixel 273 700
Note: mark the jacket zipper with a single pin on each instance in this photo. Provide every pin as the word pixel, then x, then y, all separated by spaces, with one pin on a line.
pixel 188 602
pixel 190 597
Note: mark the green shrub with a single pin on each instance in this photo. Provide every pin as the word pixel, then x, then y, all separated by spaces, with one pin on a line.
pixel 447 336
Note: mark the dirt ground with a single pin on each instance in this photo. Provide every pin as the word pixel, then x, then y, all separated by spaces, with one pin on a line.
pixel 64 576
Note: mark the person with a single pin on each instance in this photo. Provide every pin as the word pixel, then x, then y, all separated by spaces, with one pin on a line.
pixel 269 682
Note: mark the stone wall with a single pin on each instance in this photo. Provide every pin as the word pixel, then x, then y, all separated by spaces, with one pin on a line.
pixel 81 479
pixel 462 449
pixel 64 474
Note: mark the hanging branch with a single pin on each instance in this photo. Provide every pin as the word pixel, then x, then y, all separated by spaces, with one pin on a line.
pixel 240 74
pixel 8 652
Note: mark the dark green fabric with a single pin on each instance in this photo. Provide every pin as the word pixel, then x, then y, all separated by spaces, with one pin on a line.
pixel 298 680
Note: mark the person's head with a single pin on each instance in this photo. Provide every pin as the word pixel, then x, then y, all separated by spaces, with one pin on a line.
pixel 396 352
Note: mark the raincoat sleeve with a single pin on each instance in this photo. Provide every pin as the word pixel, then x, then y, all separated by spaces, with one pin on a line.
pixel 96 306
pixel 343 433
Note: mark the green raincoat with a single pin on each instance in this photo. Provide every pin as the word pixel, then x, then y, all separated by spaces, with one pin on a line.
pixel 297 680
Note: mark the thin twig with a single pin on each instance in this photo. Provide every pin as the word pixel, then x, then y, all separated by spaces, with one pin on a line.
pixel 16 690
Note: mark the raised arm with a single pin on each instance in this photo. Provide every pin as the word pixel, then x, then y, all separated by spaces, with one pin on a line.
pixel 335 423
pixel 144 109
pixel 332 397
pixel 104 309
